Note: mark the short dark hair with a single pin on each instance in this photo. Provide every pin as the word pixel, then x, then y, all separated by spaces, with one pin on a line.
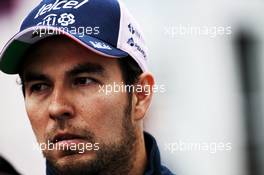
pixel 130 70
pixel 128 66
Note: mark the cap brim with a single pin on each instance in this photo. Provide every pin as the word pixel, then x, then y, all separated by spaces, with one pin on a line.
pixel 16 47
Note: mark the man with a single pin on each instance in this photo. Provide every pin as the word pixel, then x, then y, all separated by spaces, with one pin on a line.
pixel 71 55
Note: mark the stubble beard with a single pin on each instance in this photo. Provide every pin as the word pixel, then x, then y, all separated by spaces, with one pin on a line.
pixel 114 159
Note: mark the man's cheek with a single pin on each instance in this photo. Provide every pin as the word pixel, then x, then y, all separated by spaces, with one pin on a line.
pixel 37 120
pixel 38 130
pixel 104 116
pixel 99 112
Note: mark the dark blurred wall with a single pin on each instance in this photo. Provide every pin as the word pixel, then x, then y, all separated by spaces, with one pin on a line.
pixel 7 6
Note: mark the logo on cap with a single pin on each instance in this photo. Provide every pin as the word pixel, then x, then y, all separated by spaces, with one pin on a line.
pixel 100 45
pixel 58 5
pixel 66 19
pixel 135 36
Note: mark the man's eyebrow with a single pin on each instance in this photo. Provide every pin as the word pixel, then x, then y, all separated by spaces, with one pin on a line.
pixel 78 69
pixel 34 76
pixel 86 68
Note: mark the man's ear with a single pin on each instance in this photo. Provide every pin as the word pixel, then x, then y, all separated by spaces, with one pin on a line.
pixel 142 95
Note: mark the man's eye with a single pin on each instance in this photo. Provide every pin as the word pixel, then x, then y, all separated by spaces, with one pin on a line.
pixel 39 87
pixel 83 81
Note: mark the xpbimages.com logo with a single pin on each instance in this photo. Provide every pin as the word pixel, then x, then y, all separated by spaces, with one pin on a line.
pixel 77 147
pixel 210 147
pixel 117 88
pixel 79 31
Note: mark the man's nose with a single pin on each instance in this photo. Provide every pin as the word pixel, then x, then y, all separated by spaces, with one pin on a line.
pixel 60 107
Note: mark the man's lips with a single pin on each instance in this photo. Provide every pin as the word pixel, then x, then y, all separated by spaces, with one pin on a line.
pixel 66 137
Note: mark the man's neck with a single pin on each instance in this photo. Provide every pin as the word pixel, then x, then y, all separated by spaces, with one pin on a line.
pixel 140 158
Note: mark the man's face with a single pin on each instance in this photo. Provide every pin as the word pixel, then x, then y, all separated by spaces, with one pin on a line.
pixel 65 106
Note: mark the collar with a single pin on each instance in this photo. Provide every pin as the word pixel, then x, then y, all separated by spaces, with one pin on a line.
pixel 154 166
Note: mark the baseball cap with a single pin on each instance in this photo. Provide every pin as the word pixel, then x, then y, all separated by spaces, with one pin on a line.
pixel 104 26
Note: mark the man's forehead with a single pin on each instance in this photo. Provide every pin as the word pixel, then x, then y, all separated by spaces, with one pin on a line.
pixel 54 43
pixel 66 63
pixel 86 67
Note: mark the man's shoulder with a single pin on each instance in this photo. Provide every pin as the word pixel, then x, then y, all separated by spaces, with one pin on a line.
pixel 154 164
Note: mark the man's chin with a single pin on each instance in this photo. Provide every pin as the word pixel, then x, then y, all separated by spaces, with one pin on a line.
pixel 71 161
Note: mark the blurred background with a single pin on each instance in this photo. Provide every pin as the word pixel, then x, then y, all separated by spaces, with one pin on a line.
pixel 207 54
